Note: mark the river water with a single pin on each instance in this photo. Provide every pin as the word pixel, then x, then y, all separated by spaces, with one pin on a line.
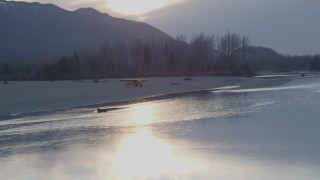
pixel 266 133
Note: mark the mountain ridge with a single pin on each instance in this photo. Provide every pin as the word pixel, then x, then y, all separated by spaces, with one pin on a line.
pixel 33 29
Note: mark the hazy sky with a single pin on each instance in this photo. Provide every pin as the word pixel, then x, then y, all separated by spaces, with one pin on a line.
pixel 288 26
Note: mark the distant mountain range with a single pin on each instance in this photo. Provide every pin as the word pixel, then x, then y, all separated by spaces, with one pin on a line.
pixel 34 29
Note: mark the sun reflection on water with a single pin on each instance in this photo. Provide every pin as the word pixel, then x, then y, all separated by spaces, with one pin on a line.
pixel 142 155
pixel 142 114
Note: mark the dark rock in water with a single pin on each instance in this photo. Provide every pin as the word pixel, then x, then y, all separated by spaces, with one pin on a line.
pixel 175 84
pixel 5 82
pixel 303 75
pixel 103 110
pixel 96 80
pixel 188 79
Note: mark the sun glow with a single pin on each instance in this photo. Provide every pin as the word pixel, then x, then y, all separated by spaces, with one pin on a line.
pixel 135 7
pixel 142 114
pixel 143 156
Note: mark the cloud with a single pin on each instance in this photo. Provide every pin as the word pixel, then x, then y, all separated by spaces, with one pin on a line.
pixel 72 4
pixel 288 26
pixel 107 5
pixel 135 7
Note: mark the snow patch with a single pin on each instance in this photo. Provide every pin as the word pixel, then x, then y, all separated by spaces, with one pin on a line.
pixel 223 88
pixel 273 76
pixel 260 89
pixel 263 103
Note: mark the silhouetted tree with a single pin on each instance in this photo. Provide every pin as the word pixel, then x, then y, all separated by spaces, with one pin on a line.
pixel 315 63
pixel 5 69
pixel 147 59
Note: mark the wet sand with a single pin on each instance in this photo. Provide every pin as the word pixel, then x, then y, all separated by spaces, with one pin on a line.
pixel 26 97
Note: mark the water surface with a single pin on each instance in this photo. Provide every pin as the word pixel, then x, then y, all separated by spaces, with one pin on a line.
pixel 266 133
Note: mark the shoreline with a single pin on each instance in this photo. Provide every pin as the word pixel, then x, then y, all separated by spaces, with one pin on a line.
pixel 154 89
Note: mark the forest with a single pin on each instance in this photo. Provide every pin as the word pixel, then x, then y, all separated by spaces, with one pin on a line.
pixel 228 54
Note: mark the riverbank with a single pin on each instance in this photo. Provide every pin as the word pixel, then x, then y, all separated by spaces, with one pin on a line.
pixel 26 97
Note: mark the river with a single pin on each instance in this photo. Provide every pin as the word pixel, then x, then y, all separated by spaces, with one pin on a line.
pixel 266 133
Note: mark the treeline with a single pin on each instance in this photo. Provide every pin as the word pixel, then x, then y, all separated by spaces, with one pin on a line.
pixel 277 62
pixel 292 63
pixel 201 55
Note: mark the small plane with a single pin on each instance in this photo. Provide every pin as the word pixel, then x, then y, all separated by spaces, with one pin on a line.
pixel 133 82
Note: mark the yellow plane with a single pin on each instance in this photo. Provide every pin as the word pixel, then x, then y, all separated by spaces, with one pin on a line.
pixel 133 82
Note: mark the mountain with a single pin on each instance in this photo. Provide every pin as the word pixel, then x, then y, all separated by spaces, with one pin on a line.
pixel 258 52
pixel 34 29
pixel 262 58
